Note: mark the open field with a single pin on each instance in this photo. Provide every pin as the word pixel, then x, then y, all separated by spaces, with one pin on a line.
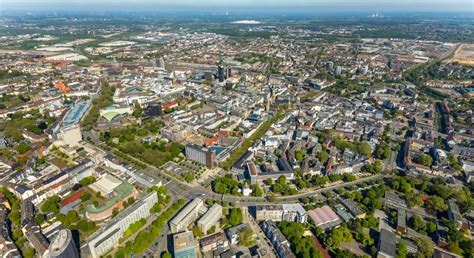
pixel 464 55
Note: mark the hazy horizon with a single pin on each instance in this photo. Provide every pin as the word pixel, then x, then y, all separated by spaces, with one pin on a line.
pixel 464 6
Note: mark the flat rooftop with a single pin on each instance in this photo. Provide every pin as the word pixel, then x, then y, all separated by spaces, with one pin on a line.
pixel 183 240
pixel 105 185
pixel 122 191
pixel 76 113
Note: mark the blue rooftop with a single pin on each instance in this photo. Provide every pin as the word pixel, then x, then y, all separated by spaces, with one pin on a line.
pixel 217 149
pixel 254 117
pixel 76 113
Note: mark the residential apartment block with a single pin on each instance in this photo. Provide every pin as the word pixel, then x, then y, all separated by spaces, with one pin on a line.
pixel 110 233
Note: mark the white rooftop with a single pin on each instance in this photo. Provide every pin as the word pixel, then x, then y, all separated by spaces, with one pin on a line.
pixel 106 185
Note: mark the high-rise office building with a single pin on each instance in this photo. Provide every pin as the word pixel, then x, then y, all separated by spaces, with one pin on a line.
pixel 221 73
pixel 330 65
pixel 160 63
pixel 201 154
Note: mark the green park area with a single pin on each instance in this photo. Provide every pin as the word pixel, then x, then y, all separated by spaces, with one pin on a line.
pixel 129 141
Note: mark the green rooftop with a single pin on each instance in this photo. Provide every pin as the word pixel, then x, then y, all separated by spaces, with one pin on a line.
pixel 110 115
pixel 122 191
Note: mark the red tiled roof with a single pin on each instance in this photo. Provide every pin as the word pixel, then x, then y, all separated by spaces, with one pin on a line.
pixel 211 141
pixel 61 86
pixel 169 105
pixel 71 198
pixel 224 132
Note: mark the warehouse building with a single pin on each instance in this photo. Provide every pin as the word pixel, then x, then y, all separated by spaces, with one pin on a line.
pixel 324 217
pixel 353 208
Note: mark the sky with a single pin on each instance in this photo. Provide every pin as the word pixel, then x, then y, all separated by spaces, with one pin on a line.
pixel 359 5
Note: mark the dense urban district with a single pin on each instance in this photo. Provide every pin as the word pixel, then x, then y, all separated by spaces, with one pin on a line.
pixel 218 137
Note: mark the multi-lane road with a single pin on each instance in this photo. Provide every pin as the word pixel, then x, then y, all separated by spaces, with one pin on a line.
pixel 191 192
pixel 188 191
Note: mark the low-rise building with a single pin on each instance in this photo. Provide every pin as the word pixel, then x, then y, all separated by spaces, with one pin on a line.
pixel 294 212
pixel 455 215
pixel 387 244
pixel 75 114
pixel 343 213
pixel 353 208
pixel 118 195
pixel 257 175
pixel 112 111
pixel 7 246
pixel 176 132
pixel 392 200
pixel 324 217
pixel 34 138
pixel 214 242
pixel 281 212
pixel 105 186
pixel 36 238
pixel 269 212
pixel 233 233
pixel 402 221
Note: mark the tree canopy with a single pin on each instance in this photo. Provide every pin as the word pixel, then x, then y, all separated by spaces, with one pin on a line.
pixel 302 246
pixel 51 204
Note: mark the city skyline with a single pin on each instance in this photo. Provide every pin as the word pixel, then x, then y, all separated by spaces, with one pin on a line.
pixel 217 128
